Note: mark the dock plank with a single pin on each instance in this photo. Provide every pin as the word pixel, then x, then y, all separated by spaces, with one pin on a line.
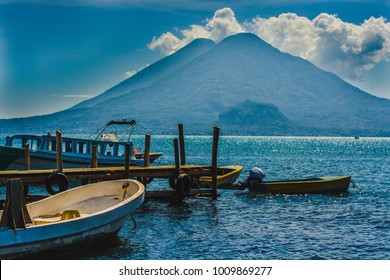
pixel 104 173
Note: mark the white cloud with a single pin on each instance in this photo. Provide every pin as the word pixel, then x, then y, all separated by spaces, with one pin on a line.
pixel 131 73
pixel 220 26
pixel 167 43
pixel 77 96
pixel 287 32
pixel 343 48
pixel 340 47
pixel 352 49
pixel 223 24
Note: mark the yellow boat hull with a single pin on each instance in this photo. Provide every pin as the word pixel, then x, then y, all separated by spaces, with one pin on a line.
pixel 226 176
pixel 310 185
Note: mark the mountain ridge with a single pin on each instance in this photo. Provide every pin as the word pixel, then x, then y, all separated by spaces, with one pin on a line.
pixel 148 75
pixel 214 78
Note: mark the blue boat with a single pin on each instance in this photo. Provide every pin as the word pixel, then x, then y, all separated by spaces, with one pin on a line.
pixel 76 152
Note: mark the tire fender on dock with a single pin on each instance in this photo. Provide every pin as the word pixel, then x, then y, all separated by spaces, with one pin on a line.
pixel 57 179
pixel 183 185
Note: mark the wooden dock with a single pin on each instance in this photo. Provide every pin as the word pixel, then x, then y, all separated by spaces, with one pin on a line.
pixel 184 177
pixel 36 177
pixel 201 176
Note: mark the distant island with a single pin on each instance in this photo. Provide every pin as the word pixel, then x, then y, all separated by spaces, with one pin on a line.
pixel 242 84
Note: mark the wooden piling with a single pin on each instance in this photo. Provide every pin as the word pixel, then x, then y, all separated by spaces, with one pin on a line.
pixel 182 147
pixel 147 151
pixel 27 162
pixel 94 157
pixel 176 152
pixel 15 214
pixel 214 161
pixel 59 151
pixel 127 160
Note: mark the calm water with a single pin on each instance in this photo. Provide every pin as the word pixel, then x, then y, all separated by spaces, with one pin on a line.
pixel 240 225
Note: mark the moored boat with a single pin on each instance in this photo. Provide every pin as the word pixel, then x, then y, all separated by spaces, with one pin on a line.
pixel 85 213
pixel 76 152
pixel 326 184
pixel 226 176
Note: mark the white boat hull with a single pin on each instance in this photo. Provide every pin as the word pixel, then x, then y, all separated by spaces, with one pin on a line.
pixel 36 246
pixel 96 221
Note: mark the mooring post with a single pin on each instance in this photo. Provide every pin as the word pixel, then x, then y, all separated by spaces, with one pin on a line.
pixel 182 147
pixel 127 159
pixel 147 151
pixel 59 150
pixel 214 161
pixel 15 214
pixel 176 151
pixel 94 157
pixel 27 156
pixel 27 163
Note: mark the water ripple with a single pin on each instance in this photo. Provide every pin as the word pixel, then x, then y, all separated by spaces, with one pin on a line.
pixel 240 225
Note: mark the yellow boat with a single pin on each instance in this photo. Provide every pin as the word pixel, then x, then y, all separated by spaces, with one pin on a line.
pixel 310 185
pixel 226 176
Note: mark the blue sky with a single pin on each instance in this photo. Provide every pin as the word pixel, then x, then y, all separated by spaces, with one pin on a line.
pixel 54 54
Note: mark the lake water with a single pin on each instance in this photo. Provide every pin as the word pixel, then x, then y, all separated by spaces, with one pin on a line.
pixel 240 225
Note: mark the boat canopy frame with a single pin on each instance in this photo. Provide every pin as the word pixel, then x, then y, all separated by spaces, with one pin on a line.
pixel 129 131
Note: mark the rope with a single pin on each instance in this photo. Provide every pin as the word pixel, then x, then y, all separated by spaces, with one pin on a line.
pixel 132 217
pixel 355 186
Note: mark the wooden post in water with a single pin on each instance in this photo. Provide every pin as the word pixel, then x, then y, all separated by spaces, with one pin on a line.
pixel 176 151
pixel 127 160
pixel 182 147
pixel 94 157
pixel 214 161
pixel 27 156
pixel 15 214
pixel 147 151
pixel 60 167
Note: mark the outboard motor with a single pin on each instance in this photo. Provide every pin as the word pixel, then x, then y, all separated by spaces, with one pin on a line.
pixel 256 174
pixel 254 180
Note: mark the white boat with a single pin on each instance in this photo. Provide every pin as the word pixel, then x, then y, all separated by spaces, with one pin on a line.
pixel 85 213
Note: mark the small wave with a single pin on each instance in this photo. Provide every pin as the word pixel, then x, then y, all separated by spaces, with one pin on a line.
pixel 316 257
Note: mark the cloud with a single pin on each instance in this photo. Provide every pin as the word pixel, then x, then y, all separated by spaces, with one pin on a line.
pixel 351 48
pixel 131 73
pixel 220 26
pixel 288 32
pixel 340 47
pixel 77 96
pixel 343 48
pixel 167 43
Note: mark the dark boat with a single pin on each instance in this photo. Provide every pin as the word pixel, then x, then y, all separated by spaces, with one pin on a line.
pixel 76 152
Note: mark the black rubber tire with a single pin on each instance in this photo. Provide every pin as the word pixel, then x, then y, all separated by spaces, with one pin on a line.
pixel 57 179
pixel 183 185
